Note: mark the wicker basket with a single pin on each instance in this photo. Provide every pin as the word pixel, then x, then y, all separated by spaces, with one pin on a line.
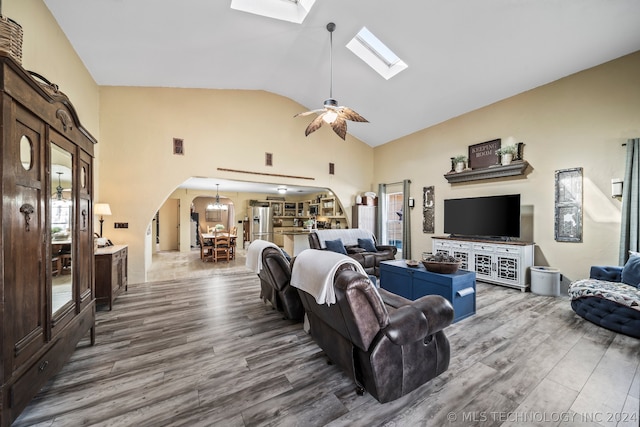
pixel 441 267
pixel 11 38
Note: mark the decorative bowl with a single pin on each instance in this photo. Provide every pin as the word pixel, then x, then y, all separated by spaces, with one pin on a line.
pixel 441 266
pixel 412 263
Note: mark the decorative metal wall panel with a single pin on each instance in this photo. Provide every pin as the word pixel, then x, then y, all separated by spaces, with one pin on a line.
pixel 428 210
pixel 568 205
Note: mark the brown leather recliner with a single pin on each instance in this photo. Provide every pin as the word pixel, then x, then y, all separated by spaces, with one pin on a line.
pixel 275 278
pixel 369 260
pixel 387 344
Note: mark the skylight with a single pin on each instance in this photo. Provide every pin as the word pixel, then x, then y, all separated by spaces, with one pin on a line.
pixel 376 54
pixel 285 10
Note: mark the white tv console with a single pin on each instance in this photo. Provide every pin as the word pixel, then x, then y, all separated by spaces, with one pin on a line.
pixel 500 262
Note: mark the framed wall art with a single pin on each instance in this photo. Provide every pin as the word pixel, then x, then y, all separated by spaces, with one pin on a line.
pixel 568 205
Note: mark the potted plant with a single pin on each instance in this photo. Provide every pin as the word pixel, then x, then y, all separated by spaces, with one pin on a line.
pixel 506 153
pixel 459 162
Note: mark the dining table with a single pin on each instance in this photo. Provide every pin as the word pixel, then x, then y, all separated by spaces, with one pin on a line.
pixel 232 238
pixel 211 236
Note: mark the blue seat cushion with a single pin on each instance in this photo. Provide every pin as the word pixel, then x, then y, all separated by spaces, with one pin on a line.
pixel 609 315
pixel 336 246
pixel 367 245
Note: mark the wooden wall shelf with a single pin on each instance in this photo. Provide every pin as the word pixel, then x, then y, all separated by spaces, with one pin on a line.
pixel 516 168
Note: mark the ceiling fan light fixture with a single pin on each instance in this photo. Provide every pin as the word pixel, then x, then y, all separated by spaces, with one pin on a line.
pixel 282 190
pixel 330 117
pixel 332 113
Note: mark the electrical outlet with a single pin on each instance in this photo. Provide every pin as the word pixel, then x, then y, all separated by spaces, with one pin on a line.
pixel 120 225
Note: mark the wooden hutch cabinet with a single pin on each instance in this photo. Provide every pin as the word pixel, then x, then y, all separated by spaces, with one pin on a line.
pixel 46 291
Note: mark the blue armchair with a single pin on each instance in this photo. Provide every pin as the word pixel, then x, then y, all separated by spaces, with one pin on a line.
pixel 610 297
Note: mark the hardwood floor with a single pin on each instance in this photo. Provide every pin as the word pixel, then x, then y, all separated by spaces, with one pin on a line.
pixel 197 347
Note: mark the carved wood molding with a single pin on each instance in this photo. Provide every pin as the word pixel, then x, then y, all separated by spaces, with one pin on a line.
pixel 65 118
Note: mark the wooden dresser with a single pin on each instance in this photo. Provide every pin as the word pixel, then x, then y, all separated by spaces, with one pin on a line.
pixel 46 269
pixel 111 273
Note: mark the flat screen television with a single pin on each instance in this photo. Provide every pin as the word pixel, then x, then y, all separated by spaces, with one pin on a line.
pixel 496 217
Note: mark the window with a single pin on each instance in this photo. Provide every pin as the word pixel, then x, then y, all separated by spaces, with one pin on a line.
pixel 286 10
pixel 376 54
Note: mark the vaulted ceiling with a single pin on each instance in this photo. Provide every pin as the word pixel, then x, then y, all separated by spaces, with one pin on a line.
pixel 461 54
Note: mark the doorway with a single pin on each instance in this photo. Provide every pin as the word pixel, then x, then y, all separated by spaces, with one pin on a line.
pixel 392 217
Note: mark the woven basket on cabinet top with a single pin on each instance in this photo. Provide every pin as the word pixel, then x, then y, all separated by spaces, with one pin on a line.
pixel 11 38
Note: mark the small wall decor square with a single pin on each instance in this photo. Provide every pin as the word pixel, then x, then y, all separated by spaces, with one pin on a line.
pixel 178 146
pixel 428 210
pixel 568 205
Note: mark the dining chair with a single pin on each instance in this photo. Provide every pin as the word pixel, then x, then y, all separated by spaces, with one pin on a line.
pixel 221 247
pixel 65 259
pixel 56 265
pixel 206 249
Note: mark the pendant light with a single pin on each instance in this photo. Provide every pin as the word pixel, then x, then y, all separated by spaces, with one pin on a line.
pixel 217 205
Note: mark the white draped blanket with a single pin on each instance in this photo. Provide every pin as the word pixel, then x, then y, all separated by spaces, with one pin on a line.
pixel 313 272
pixel 254 254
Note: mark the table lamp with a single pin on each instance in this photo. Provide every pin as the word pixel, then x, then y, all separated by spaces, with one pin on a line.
pixel 101 209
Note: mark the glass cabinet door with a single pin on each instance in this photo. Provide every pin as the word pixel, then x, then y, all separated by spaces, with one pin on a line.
pixel 62 233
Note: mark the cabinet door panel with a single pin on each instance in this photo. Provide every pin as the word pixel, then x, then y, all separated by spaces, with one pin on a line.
pixel 85 253
pixel 483 265
pixel 508 269
pixel 22 232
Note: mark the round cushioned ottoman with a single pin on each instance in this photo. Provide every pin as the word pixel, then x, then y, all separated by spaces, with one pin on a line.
pixel 609 315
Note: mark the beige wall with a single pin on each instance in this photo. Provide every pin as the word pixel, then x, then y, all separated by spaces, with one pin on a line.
pixel 578 121
pixel 229 129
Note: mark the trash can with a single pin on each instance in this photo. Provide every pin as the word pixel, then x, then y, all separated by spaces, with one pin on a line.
pixel 545 281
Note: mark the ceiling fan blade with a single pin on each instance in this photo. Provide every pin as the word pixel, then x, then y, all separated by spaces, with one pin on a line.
pixel 349 114
pixel 339 126
pixel 307 113
pixel 314 125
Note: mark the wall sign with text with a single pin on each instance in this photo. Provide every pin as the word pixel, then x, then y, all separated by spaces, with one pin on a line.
pixel 484 155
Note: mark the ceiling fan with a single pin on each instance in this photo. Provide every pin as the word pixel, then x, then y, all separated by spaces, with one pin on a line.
pixel 331 113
